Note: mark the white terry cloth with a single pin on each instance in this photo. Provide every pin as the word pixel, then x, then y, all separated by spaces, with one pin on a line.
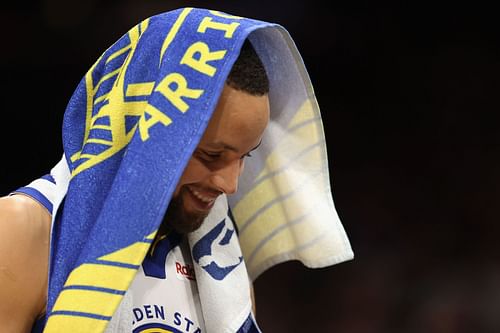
pixel 221 275
pixel 284 208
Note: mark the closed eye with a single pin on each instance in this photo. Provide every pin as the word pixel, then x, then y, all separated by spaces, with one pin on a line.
pixel 208 156
pixel 212 155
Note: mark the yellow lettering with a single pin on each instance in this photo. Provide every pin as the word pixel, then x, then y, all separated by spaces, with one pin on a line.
pixel 156 116
pixel 204 55
pixel 228 29
pixel 182 90
pixel 140 89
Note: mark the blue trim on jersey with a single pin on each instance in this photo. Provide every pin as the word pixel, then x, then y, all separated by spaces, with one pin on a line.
pixel 37 195
pixel 154 265
pixel 101 289
pixel 249 326
pixel 39 325
pixel 49 178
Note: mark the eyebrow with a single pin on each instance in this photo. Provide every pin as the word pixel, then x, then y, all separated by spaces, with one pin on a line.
pixel 222 145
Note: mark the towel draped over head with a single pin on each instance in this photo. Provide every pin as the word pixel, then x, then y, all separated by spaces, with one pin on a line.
pixel 129 130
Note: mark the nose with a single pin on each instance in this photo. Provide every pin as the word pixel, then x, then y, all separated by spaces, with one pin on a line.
pixel 226 178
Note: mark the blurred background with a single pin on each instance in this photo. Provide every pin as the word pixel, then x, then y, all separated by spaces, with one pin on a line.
pixel 408 95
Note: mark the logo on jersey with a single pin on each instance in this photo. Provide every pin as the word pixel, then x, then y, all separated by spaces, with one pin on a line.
pixel 148 312
pixel 184 271
pixel 211 251
pixel 156 328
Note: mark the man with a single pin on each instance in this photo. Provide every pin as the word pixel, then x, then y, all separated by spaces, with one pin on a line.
pixel 235 129
pixel 113 239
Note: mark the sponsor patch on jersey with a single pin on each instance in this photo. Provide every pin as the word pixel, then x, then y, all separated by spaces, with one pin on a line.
pixel 184 271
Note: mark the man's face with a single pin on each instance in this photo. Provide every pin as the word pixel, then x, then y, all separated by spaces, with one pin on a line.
pixel 235 129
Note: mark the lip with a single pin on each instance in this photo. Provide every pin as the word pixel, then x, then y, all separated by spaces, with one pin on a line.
pixel 200 199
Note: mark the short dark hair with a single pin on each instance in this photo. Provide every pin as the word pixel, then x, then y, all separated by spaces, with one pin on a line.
pixel 248 73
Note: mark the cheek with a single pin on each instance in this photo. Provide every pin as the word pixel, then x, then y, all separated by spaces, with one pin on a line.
pixel 195 172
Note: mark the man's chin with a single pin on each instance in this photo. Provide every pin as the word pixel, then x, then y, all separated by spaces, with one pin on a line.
pixel 188 223
pixel 181 218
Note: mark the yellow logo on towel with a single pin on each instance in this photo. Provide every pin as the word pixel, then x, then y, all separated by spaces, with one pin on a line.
pixel 106 131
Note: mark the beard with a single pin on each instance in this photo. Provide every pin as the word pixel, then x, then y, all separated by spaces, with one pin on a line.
pixel 178 218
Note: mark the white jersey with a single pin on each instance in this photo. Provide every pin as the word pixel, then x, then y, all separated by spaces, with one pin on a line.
pixel 165 294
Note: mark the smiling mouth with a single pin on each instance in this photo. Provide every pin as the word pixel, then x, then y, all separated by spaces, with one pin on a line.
pixel 202 201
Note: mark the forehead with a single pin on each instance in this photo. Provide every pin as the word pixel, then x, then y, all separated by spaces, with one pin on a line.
pixel 238 121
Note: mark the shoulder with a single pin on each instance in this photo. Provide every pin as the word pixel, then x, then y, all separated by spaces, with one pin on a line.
pixel 21 207
pixel 24 246
pixel 24 220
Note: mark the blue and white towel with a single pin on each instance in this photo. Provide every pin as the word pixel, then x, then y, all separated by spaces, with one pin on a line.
pixel 133 123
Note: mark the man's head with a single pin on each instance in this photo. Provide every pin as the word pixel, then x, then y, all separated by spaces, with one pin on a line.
pixel 235 129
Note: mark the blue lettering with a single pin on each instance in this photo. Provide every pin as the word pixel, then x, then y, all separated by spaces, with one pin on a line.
pixel 177 320
pixel 189 323
pixel 147 312
pixel 147 307
pixel 159 312
pixel 138 314
pixel 197 330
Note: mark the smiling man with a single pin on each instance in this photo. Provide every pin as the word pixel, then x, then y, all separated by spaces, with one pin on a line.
pixel 235 130
pixel 148 223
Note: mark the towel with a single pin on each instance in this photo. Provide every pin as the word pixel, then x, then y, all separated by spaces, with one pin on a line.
pixel 128 132
pixel 221 275
pixel 284 208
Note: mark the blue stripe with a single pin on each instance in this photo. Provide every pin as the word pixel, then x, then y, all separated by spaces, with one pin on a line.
pixel 79 314
pixel 93 288
pixel 249 326
pixel 49 178
pixel 37 195
pixel 114 263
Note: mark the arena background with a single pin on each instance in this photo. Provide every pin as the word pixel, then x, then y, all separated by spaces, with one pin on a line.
pixel 409 98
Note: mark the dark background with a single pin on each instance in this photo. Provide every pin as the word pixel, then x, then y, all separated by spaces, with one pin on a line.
pixel 409 98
